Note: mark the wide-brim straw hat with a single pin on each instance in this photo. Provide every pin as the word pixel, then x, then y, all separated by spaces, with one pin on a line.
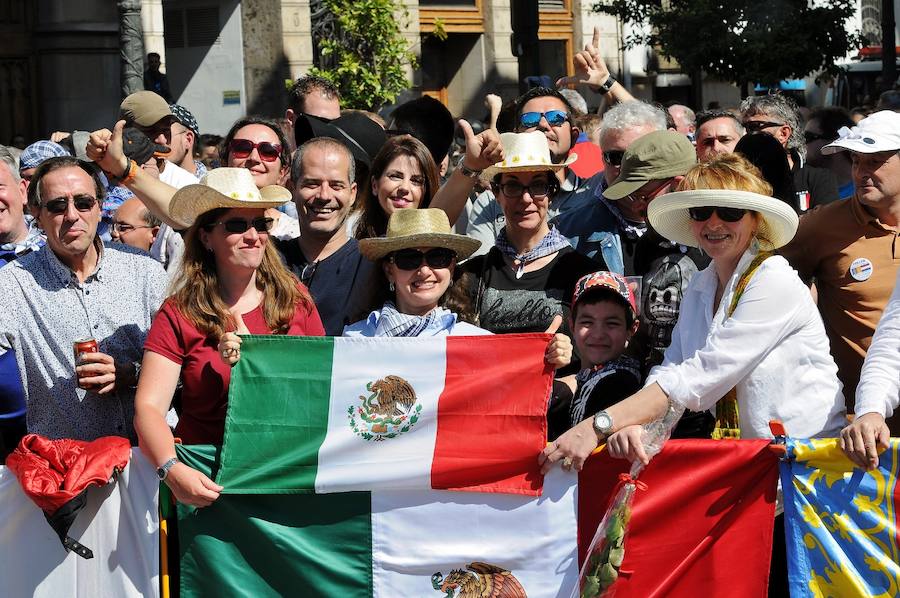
pixel 411 227
pixel 224 188
pixel 525 152
pixel 668 214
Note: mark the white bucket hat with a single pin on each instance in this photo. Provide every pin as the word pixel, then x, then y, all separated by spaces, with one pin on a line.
pixel 878 132
pixel 525 152
pixel 668 214
pixel 224 188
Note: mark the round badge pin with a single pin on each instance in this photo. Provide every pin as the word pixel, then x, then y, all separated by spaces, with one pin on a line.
pixel 861 269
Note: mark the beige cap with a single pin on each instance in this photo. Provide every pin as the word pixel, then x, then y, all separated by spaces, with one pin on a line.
pixel 145 109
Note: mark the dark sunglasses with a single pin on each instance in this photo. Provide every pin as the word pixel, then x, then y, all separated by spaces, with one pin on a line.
pixel 810 137
pixel 529 120
pixel 411 259
pixel 613 157
pixel 84 203
pixel 268 152
pixel 754 126
pixel 513 189
pixel 240 226
pixel 725 214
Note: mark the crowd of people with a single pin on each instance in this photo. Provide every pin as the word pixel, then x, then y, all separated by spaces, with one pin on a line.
pixel 734 266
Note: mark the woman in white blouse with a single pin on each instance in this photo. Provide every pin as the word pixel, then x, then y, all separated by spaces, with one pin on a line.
pixel 878 392
pixel 747 323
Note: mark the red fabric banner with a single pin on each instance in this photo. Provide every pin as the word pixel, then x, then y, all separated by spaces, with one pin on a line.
pixel 703 525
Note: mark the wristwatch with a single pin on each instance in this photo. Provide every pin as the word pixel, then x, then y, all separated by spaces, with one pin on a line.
pixel 465 170
pixel 606 85
pixel 603 424
pixel 163 470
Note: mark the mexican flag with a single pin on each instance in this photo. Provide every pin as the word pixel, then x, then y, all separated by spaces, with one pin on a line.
pixel 463 413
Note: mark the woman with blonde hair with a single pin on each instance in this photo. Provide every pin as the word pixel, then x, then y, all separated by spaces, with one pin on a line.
pixel 749 340
pixel 231 279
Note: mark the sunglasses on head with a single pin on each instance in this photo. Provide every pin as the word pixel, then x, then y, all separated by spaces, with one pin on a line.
pixel 754 126
pixel 529 120
pixel 242 148
pixel 411 259
pixel 82 203
pixel 613 157
pixel 240 226
pixel 725 214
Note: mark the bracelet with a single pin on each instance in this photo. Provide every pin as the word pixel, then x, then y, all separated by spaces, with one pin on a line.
pixel 130 172
pixel 465 170
pixel 607 85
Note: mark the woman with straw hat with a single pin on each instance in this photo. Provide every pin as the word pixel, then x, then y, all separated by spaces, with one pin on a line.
pixel 749 340
pixel 415 294
pixel 231 279
pixel 527 278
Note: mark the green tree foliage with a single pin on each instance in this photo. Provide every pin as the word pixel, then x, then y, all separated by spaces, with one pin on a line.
pixel 369 53
pixel 743 41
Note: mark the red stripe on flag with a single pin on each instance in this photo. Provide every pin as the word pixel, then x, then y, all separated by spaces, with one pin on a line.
pixel 491 426
pixel 702 527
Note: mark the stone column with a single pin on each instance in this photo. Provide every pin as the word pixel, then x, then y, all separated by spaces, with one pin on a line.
pixel 504 80
pixel 297 36
pixel 154 30
pixel 131 46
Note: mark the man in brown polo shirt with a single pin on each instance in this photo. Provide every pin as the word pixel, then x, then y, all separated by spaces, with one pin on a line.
pixel 850 247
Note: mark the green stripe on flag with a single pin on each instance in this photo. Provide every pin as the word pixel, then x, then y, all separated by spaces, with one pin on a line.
pixel 277 415
pixel 275 545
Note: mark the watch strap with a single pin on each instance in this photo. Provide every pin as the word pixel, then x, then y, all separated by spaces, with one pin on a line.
pixel 607 85
pixel 466 171
pixel 163 470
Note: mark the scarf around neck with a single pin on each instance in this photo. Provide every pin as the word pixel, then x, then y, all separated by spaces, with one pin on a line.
pixel 552 242
pixel 394 323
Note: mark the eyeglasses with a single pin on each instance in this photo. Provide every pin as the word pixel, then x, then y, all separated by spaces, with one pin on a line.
pixel 754 126
pixel 123 228
pixel 809 136
pixel 411 259
pixel 82 203
pixel 515 189
pixel 704 213
pixel 613 157
pixel 529 120
pixel 239 225
pixel 242 148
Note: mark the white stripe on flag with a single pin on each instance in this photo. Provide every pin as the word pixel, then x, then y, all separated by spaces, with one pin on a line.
pixel 417 534
pixel 119 523
pixel 347 461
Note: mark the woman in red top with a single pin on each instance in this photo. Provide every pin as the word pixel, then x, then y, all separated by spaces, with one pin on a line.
pixel 231 278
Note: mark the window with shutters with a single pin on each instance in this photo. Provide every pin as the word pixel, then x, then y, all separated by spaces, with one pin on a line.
pixel 194 27
pixel 455 16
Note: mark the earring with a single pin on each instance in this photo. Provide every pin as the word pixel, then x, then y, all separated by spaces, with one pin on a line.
pixel 754 244
pixel 391 285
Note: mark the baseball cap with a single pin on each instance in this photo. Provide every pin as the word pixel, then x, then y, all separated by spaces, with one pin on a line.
pixel 654 157
pixel 144 109
pixel 184 116
pixel 139 147
pixel 878 132
pixel 606 280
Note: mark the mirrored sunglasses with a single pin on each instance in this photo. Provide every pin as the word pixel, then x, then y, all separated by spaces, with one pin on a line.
pixel 242 148
pixel 411 259
pixel 725 214
pixel 554 118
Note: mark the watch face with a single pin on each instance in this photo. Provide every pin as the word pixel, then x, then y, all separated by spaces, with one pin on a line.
pixel 160 473
pixel 602 421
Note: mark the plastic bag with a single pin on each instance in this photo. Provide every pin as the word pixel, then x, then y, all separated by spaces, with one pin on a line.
pixel 600 570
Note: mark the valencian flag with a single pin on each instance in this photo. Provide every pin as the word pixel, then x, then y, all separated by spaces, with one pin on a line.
pixel 841 521
pixel 322 414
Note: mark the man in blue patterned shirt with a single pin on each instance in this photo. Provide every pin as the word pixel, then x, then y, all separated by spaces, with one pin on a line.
pixel 75 288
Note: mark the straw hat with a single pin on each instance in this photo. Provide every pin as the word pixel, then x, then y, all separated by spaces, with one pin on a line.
pixel 412 227
pixel 525 152
pixel 224 188
pixel 668 214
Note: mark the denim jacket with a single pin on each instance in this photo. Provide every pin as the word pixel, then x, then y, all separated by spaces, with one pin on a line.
pixel 592 230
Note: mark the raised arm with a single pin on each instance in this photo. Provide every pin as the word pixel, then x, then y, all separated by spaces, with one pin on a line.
pixel 591 70
pixel 482 150
pixel 105 148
